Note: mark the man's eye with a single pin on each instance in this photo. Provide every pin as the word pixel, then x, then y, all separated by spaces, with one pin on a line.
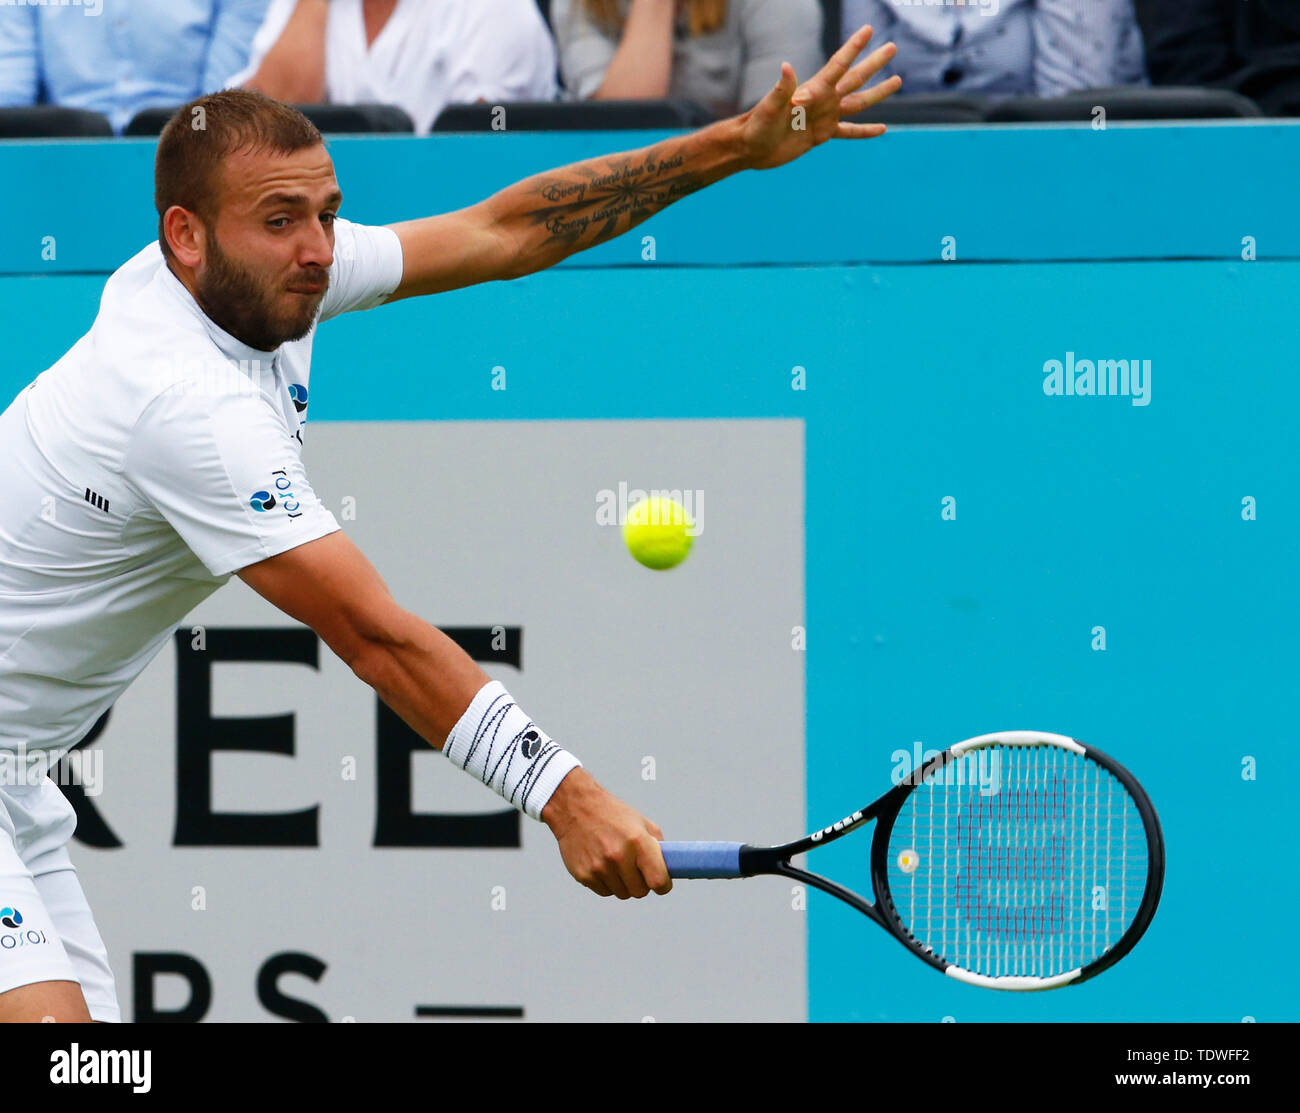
pixel 279 222
pixel 329 218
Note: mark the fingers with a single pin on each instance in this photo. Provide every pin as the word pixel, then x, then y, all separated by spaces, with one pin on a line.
pixel 613 878
pixel 611 849
pixel 846 83
pixel 602 876
pixel 633 873
pixel 782 91
pixel 860 131
pixel 842 59
pixel 633 883
pixel 865 70
pixel 644 868
pixel 869 98
pixel 653 867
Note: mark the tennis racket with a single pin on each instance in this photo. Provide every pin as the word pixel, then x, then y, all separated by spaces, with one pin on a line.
pixel 1018 860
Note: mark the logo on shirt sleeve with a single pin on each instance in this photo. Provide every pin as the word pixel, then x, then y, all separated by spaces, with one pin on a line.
pixel 263 501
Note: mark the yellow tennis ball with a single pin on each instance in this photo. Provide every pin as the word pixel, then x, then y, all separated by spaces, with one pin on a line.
pixel 658 532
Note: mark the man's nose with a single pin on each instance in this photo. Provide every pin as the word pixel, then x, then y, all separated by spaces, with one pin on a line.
pixel 316 249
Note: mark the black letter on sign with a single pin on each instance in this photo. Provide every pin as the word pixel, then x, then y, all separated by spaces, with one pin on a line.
pixel 147 965
pixel 199 736
pixel 275 1002
pixel 91 828
pixel 395 823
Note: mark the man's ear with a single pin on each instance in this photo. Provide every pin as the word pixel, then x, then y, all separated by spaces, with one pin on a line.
pixel 185 235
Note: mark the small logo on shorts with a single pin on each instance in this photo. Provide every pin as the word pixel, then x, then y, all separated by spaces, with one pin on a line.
pixel 10 917
pixel 263 500
pixel 531 744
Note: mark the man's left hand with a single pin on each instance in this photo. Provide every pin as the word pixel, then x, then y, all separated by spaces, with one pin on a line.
pixel 793 119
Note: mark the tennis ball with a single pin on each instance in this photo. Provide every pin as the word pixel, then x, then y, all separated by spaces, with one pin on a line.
pixel 658 532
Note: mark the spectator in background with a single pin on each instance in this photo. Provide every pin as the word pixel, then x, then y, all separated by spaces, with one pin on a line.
pixel 1251 48
pixel 1001 47
pixel 117 57
pixel 420 55
pixel 723 54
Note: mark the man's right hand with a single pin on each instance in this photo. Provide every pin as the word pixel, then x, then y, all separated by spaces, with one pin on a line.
pixel 606 845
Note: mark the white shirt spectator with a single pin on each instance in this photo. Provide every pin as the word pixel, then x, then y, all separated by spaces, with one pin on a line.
pixel 430 53
pixel 156 458
pixel 1002 47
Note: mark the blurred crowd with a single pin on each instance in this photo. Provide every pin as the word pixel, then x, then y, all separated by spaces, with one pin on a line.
pixel 118 57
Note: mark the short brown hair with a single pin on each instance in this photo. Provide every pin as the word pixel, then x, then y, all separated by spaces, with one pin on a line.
pixel 198 139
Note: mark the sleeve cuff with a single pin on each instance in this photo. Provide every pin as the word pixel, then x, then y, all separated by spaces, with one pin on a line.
pixel 268 547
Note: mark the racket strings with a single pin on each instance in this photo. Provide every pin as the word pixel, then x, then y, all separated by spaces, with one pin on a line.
pixel 1018 861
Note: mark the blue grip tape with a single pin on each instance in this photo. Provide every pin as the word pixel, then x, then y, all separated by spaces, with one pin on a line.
pixel 702 859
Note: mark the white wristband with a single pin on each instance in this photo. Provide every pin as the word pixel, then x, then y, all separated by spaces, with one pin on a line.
pixel 501 746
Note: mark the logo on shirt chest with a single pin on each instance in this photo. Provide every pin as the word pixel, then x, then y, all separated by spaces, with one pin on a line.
pixel 281 494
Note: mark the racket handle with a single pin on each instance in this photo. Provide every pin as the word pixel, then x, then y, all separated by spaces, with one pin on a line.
pixel 702 859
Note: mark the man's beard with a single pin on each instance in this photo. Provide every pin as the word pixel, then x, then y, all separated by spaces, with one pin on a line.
pixel 233 299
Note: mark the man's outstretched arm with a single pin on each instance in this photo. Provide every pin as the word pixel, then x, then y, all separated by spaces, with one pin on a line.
pixel 329 585
pixel 536 223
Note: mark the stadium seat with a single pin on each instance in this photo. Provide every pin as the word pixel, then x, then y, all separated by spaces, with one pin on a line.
pixel 926 108
pixel 598 115
pixel 333 119
pixel 149 121
pixel 50 122
pixel 1126 103
pixel 358 118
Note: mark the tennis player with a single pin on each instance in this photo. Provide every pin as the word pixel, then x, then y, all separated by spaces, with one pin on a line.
pixel 162 454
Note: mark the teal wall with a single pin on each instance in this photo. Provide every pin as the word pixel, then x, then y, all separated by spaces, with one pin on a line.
pixel 924 380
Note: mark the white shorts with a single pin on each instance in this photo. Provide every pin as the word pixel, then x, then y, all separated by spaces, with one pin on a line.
pixel 46 930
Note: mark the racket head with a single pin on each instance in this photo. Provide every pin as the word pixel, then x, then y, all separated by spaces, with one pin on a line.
pixel 1019 860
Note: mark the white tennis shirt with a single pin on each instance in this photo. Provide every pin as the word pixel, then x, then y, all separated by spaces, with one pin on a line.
pixel 156 458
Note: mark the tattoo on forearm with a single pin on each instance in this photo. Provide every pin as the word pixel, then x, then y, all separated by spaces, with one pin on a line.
pixel 592 202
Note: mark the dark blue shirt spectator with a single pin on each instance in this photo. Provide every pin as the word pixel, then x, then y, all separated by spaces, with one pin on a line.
pixel 1251 48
